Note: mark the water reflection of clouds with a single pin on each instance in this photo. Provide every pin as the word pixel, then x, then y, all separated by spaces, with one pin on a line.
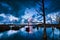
pixel 37 34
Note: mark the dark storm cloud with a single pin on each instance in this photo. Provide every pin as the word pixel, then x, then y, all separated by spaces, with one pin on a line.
pixel 19 6
pixel 54 6
pixel 16 4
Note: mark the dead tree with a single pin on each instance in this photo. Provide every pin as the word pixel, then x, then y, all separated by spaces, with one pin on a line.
pixel 43 10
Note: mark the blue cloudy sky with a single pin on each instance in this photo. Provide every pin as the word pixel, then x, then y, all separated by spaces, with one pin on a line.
pixel 17 11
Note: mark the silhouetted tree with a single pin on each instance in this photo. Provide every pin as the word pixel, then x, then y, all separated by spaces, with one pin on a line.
pixel 41 3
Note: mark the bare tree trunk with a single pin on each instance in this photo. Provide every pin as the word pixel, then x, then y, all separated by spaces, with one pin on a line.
pixel 43 10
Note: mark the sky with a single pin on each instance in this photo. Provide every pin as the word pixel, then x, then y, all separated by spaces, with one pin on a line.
pixel 21 10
